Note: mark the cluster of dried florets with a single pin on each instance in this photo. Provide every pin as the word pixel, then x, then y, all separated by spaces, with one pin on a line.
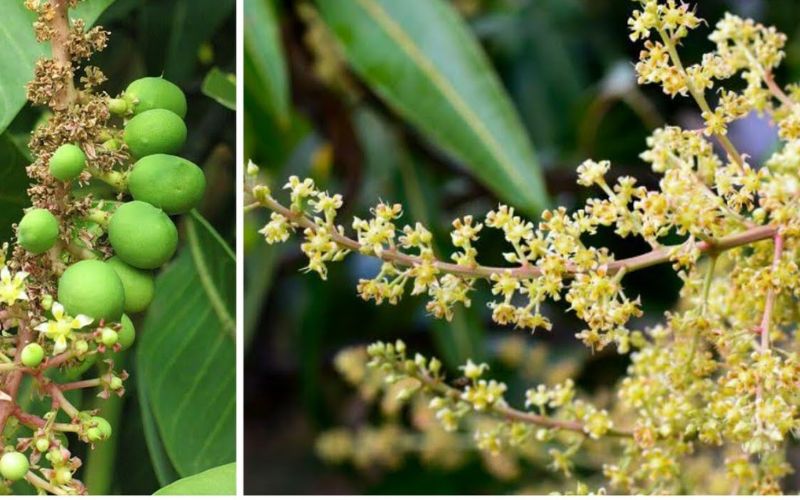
pixel 718 382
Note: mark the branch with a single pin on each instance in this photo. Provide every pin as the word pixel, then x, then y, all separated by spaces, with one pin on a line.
pixel 40 483
pixel 60 43
pixel 652 258
pixel 80 384
pixel 510 413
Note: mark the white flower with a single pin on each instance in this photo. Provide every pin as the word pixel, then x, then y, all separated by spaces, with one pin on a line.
pixel 60 328
pixel 12 288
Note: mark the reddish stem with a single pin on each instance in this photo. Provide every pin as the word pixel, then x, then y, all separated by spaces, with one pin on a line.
pixel 29 420
pixel 80 384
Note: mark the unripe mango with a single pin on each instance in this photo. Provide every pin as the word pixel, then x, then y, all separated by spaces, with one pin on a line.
pixel 138 284
pixel 142 235
pixel 67 162
pixel 154 131
pixel 156 93
pixel 127 333
pixel 168 182
pixel 37 231
pixel 91 287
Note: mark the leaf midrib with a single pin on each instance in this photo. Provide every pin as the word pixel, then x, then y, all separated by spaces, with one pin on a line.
pixel 407 45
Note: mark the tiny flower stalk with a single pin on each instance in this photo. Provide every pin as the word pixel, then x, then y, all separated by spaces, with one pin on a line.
pixel 713 387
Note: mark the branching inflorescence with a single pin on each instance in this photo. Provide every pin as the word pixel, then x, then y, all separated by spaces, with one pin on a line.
pixel 718 380
pixel 83 258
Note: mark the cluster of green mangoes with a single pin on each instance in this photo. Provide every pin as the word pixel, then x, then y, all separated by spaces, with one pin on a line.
pixel 140 231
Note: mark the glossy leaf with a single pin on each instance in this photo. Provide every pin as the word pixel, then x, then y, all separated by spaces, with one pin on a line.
pixel 20 50
pixel 262 43
pixel 178 28
pixel 217 481
pixel 221 87
pixel 422 59
pixel 186 354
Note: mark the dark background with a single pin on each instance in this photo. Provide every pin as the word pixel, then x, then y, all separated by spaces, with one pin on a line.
pixel 568 67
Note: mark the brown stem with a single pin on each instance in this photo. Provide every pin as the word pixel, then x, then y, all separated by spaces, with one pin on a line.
pixel 60 44
pixel 654 257
pixel 513 413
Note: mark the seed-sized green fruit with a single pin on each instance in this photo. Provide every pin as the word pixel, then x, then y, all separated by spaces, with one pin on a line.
pixel 67 162
pixel 91 287
pixel 14 465
pixel 115 384
pixel 156 93
pixel 32 355
pixel 155 131
pixel 62 475
pixel 99 429
pixel 142 235
pixel 168 182
pixel 37 231
pixel 127 333
pixel 109 337
pixel 42 444
pixel 138 284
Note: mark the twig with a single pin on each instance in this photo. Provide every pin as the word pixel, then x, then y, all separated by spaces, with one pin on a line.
pixel 40 483
pixel 654 257
pixel 510 413
pixel 80 384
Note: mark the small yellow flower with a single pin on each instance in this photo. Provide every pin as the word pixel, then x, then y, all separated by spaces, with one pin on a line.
pixel 473 371
pixel 12 288
pixel 60 328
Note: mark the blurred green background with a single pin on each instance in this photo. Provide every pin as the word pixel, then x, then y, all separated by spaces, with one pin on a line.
pixel 567 66
pixel 185 41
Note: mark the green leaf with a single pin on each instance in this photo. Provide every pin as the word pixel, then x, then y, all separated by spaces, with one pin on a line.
pixel 165 472
pixel 217 481
pixel 178 28
pixel 186 357
pixel 13 183
pixel 20 50
pixel 421 58
pixel 221 87
pixel 263 47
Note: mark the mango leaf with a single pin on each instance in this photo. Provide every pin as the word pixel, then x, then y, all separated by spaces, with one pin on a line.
pixel 421 58
pixel 217 481
pixel 165 472
pixel 13 183
pixel 21 50
pixel 177 30
pixel 262 43
pixel 221 87
pixel 186 356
